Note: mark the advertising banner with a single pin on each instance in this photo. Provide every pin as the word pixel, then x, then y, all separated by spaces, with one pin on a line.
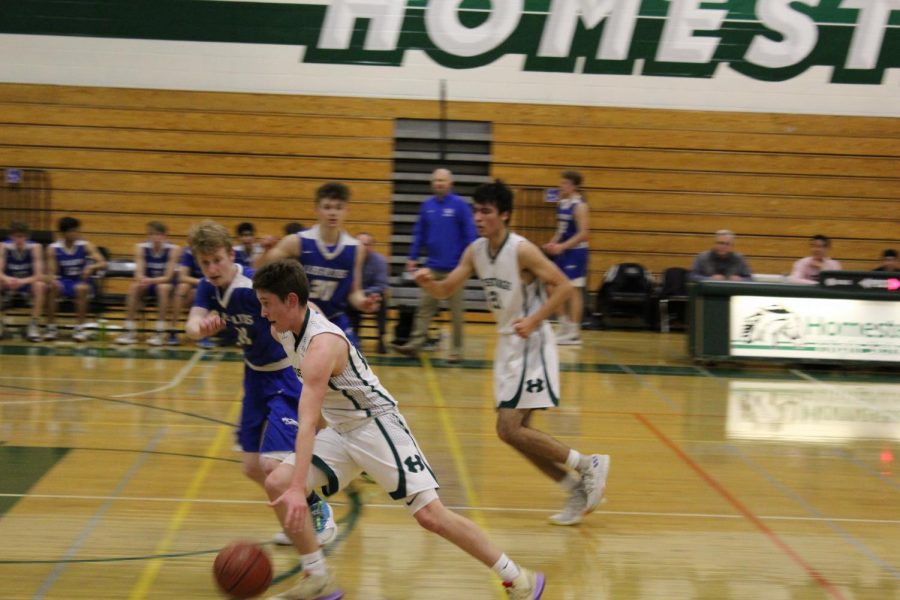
pixel 815 328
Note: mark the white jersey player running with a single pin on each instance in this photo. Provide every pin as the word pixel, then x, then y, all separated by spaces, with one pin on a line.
pixel 365 432
pixel 526 369
pixel 515 275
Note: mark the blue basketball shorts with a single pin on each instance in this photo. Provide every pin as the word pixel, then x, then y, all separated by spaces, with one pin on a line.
pixel 573 263
pixel 269 412
pixel 152 290
pixel 67 287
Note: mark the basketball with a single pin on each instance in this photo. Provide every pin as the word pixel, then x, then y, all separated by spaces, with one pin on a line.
pixel 242 570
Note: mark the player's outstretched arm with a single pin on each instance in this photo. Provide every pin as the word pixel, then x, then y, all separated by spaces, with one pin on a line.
pixel 454 280
pixel 288 247
pixel 202 323
pixel 367 303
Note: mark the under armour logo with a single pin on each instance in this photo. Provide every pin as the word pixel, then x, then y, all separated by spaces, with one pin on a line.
pixel 534 386
pixel 414 464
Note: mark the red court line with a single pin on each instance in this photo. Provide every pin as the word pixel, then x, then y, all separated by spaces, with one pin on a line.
pixel 741 508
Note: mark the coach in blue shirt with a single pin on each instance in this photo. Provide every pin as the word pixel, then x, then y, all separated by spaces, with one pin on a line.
pixel 444 228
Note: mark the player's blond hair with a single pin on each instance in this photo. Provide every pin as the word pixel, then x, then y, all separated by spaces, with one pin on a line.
pixel 207 237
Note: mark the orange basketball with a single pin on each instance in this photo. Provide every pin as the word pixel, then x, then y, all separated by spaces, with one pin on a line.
pixel 243 570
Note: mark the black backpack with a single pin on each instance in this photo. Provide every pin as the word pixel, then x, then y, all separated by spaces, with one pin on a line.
pixel 674 282
pixel 626 289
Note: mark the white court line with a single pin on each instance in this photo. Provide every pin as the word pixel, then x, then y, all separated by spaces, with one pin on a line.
pixel 612 513
pixel 98 516
pixel 57 400
pixel 179 377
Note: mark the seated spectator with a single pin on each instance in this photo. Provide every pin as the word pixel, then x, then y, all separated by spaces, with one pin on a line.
pixel 22 274
pixel 721 263
pixel 71 261
pixel 375 280
pixel 293 227
pixel 154 270
pixel 888 261
pixel 806 270
pixel 246 251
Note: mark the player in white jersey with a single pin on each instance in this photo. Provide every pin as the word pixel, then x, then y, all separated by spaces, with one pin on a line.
pixel 515 275
pixel 365 432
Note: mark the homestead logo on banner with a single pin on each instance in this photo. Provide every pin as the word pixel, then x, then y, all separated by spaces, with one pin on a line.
pixel 772 325
pixel 816 328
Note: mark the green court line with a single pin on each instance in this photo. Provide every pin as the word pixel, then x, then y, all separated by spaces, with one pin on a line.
pixel 729 370
pixel 348 524
pixel 156 452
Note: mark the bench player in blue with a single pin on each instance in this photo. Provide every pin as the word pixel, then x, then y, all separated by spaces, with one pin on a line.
pixel 569 249
pixel 332 258
pixel 247 251
pixel 154 271
pixel 71 261
pixel 22 274
pixel 268 428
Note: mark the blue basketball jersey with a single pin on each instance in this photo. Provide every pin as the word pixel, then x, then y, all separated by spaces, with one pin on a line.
pixel 187 260
pixel 70 264
pixel 565 219
pixel 329 270
pixel 244 255
pixel 240 308
pixel 241 258
pixel 155 263
pixel 19 263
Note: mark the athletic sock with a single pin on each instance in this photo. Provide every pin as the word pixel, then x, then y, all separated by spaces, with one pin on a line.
pixel 573 461
pixel 313 563
pixel 506 569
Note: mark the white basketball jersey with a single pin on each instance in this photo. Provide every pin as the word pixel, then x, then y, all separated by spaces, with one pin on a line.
pixel 508 297
pixel 354 395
